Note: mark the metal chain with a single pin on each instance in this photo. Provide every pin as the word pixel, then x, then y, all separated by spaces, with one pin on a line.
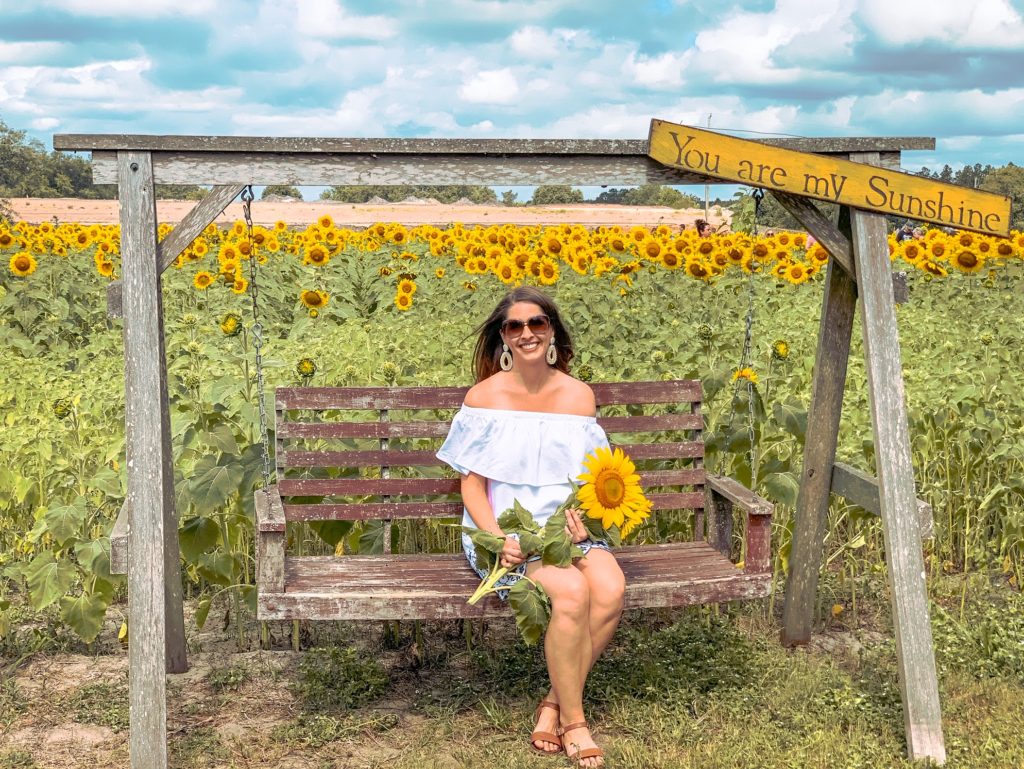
pixel 257 333
pixel 748 335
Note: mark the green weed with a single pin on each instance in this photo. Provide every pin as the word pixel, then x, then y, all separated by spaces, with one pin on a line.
pixel 103 704
pixel 338 679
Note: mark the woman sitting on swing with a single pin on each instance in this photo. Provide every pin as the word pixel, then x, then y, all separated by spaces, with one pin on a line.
pixel 523 431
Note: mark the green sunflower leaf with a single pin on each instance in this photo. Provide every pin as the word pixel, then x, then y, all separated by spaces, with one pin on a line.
pixel 532 609
pixel 48 579
pixel 84 614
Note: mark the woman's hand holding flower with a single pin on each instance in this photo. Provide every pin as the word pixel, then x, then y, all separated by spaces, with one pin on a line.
pixel 511 553
pixel 574 526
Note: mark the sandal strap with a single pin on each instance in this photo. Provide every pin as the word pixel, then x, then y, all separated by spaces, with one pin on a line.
pixel 570 727
pixel 579 755
pixel 547 704
pixel 545 737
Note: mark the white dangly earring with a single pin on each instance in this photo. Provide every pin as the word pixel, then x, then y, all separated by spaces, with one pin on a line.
pixel 505 361
pixel 552 354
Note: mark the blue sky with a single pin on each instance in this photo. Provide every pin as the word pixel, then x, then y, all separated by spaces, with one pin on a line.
pixel 952 69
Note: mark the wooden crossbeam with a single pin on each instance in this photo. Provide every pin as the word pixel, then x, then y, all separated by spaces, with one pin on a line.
pixel 195 221
pixel 861 489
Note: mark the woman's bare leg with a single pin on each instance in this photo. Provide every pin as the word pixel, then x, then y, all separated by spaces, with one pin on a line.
pixel 567 641
pixel 606 586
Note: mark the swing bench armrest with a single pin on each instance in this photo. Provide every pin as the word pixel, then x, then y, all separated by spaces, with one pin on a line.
pixel 723 494
pixel 269 510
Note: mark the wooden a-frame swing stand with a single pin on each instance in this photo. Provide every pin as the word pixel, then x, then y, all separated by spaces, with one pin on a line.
pixel 859 268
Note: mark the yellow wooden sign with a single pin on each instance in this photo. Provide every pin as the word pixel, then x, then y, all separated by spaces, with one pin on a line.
pixel 827 178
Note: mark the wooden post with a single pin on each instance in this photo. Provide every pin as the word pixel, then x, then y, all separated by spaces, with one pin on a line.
pixel 915 654
pixel 820 447
pixel 150 486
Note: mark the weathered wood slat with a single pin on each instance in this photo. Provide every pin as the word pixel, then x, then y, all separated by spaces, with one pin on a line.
pixel 184 167
pixel 297 487
pixel 834 334
pixel 310 487
pixel 376 458
pixel 651 423
pixel 372 511
pixel 436 429
pixel 861 489
pixel 424 429
pixel 369 511
pixel 269 543
pixel 375 398
pixel 208 209
pixel 742 497
pixel 328 145
pixel 820 226
pixel 426 458
pixel 675 391
pixel 904 559
pixel 347 588
pixel 270 513
pixel 144 433
pixel 370 398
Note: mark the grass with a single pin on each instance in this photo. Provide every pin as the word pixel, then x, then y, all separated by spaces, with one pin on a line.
pixel 707 687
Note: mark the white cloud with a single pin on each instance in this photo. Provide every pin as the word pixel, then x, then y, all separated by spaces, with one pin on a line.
pixel 493 86
pixel 45 123
pixel 27 52
pixel 744 47
pixel 329 19
pixel 133 8
pixel 532 42
pixel 664 71
pixel 981 23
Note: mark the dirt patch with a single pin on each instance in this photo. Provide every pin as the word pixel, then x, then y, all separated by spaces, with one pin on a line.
pixel 266 212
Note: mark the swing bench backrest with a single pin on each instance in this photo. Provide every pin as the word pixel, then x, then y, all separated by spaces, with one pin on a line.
pixel 366 457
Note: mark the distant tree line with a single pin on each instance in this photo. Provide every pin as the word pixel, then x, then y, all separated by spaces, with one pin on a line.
pixel 28 170
pixel 398 193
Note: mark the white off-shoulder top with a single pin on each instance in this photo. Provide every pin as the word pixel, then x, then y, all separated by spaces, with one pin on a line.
pixel 525 455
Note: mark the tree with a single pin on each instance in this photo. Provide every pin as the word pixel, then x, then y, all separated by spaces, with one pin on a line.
pixel 28 170
pixel 398 193
pixel 1009 180
pixel 553 194
pixel 281 190
pixel 659 195
pixel 613 196
pixel 509 198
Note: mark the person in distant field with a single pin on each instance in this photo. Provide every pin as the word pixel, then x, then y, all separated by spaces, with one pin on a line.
pixel 906 232
pixel 703 228
pixel 919 233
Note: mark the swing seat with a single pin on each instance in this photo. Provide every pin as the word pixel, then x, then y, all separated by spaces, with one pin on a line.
pixel 367 455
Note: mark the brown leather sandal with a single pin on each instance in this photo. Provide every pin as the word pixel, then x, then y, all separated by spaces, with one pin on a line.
pixel 545 736
pixel 579 755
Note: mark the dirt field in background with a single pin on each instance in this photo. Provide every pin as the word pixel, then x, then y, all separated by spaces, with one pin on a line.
pixel 36 210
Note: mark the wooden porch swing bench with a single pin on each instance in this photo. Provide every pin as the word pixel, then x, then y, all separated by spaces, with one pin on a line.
pixel 414 484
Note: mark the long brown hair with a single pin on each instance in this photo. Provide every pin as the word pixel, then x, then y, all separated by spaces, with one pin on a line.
pixel 487 352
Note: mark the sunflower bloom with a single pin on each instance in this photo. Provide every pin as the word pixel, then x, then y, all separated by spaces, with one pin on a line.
pixel 746 373
pixel 314 299
pixel 403 301
pixel 202 280
pixel 407 287
pixel 23 264
pixel 611 490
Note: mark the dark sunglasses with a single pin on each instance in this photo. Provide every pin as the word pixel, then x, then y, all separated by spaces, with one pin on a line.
pixel 538 324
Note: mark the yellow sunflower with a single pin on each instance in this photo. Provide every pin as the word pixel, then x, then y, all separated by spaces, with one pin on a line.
pixel 747 373
pixel 967 261
pixel 106 269
pixel 439 272
pixel 611 490
pixel 202 280
pixel 407 287
pixel 23 264
pixel 314 299
pixel 403 301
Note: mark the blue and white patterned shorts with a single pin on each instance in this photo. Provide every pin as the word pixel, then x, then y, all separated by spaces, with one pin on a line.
pixel 519 571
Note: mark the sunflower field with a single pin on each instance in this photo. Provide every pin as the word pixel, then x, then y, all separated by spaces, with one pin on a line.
pixel 392 305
